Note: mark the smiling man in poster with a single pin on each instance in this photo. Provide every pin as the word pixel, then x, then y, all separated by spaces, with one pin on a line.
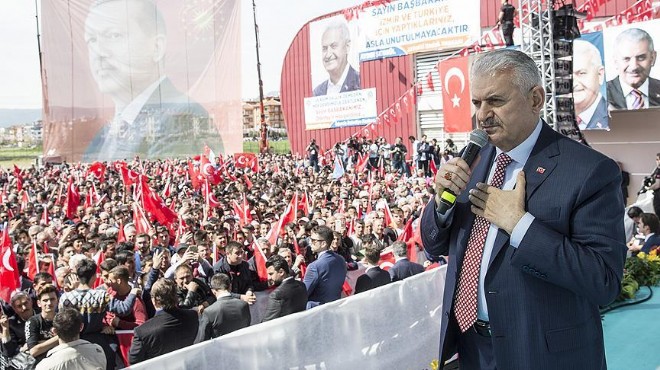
pixel 335 45
pixel 588 77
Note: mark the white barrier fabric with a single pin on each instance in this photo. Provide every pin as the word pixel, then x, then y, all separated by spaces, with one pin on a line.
pixel 396 326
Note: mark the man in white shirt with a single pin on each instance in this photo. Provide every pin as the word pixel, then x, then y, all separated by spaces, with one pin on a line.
pixel 336 43
pixel 72 352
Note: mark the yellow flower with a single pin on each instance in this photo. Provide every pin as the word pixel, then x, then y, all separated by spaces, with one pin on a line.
pixel 435 364
pixel 653 257
pixel 641 255
pixel 654 253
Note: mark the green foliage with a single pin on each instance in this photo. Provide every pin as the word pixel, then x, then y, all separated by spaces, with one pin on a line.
pixel 640 270
pixel 278 147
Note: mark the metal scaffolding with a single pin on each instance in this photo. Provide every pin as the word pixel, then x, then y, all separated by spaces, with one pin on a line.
pixel 537 42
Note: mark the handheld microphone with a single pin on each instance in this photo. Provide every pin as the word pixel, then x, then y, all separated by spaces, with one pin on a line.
pixel 478 138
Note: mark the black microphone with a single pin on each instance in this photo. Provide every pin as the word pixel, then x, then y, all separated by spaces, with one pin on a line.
pixel 478 138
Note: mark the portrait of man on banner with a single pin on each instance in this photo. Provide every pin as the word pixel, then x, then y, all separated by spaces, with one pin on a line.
pixel 335 66
pixel 589 94
pixel 633 82
pixel 127 42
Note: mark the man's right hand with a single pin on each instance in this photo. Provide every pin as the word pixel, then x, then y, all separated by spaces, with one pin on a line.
pixel 459 176
pixel 249 297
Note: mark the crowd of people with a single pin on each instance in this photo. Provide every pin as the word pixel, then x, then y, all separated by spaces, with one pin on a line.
pixel 175 250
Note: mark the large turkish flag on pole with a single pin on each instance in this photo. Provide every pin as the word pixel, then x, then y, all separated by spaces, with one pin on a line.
pixel 9 276
pixel 456 102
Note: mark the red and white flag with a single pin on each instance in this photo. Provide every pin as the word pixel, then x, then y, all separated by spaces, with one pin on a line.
pixel 33 261
pixel 260 262
pixel 247 160
pixel 9 274
pixel 72 199
pixel 456 103
pixel 98 170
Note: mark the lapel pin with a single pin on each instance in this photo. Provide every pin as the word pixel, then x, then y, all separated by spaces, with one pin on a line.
pixel 540 170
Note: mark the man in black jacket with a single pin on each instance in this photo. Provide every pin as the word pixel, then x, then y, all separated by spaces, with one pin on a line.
pixel 192 293
pixel 290 295
pixel 241 277
pixel 374 276
pixel 172 328
pixel 227 314
pixel 403 268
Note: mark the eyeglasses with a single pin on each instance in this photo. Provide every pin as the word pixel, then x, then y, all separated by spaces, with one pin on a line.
pixel 316 240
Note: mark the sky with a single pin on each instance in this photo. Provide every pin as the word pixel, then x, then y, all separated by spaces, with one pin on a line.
pixel 279 21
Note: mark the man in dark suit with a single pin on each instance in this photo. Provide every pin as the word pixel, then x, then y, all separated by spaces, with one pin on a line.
pixel 171 329
pixel 403 267
pixel 290 296
pixel 634 57
pixel 588 76
pixel 324 277
pixel 152 118
pixel 227 314
pixel 335 43
pixel 528 267
pixel 649 226
pixel 374 276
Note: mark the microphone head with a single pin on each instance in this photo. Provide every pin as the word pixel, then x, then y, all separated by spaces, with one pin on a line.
pixel 479 137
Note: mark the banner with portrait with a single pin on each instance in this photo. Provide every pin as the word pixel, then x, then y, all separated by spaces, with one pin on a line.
pixel 154 79
pixel 589 90
pixel 337 100
pixel 413 26
pixel 630 55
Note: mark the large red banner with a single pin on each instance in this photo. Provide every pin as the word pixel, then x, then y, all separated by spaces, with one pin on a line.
pixel 155 79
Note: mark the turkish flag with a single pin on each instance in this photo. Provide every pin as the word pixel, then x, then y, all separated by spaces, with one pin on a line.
pixel 194 176
pixel 386 260
pixel 140 221
pixel 207 169
pixel 407 232
pixel 361 164
pixel 33 261
pixel 99 257
pixel 72 200
pixel 129 177
pixel 260 262
pixel 387 220
pixel 456 102
pixel 154 204
pixel 9 274
pixel 98 170
pixel 290 214
pixel 247 160
pixel 433 167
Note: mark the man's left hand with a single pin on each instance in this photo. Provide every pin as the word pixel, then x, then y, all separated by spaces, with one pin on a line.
pixel 503 208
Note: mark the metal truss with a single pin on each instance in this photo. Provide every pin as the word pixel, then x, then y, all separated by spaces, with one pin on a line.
pixel 537 42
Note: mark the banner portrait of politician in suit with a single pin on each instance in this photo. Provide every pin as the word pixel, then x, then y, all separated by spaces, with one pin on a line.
pixel 632 80
pixel 145 78
pixel 334 56
pixel 589 93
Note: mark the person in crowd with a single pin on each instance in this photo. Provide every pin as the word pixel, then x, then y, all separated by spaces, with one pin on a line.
pixel 399 152
pixel 72 353
pixel 226 314
pixel 118 282
pixel 423 155
pixel 325 276
pixel 13 326
pixel 374 276
pixel 290 296
pixel 634 56
pixel 170 329
pixel 335 46
pixel 238 270
pixel 313 156
pixel 525 281
pixel 403 267
pixel 192 293
pixel 649 226
pixel 38 329
pixel 588 76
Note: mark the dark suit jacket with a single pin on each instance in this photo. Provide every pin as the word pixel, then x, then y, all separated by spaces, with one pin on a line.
pixel 290 297
pixel 543 296
pixel 168 331
pixel 618 101
pixel 600 119
pixel 654 241
pixel 403 268
pixel 227 314
pixel 373 278
pixel 170 124
pixel 324 279
pixel 351 83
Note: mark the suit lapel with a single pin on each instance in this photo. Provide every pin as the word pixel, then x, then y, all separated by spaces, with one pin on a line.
pixel 540 164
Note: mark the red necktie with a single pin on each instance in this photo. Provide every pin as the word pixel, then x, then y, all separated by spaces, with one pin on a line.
pixel 638 103
pixel 465 307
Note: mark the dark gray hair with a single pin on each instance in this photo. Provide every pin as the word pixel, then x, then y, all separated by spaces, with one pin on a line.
pixel 400 249
pixel 522 68
pixel 634 35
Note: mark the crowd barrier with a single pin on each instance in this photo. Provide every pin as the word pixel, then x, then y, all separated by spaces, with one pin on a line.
pixel 396 326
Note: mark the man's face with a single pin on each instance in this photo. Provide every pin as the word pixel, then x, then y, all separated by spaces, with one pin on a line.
pixel 588 75
pixel 121 65
pixel 142 244
pixel 506 114
pixel 235 256
pixel 23 308
pixel 335 51
pixel 183 277
pixel 113 282
pixel 42 283
pixel 276 277
pixel 110 251
pixel 286 253
pixel 318 244
pixel 130 235
pixel 263 229
pixel 130 265
pixel 634 61
pixel 48 303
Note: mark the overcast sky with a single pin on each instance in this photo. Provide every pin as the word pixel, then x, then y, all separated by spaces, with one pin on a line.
pixel 279 21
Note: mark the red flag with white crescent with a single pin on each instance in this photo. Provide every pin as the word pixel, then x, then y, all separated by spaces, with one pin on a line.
pixel 98 170
pixel 247 160
pixel 456 103
pixel 9 274
pixel 260 262
pixel 33 261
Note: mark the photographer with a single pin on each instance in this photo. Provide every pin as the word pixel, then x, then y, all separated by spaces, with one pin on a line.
pixel 399 156
pixel 313 155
